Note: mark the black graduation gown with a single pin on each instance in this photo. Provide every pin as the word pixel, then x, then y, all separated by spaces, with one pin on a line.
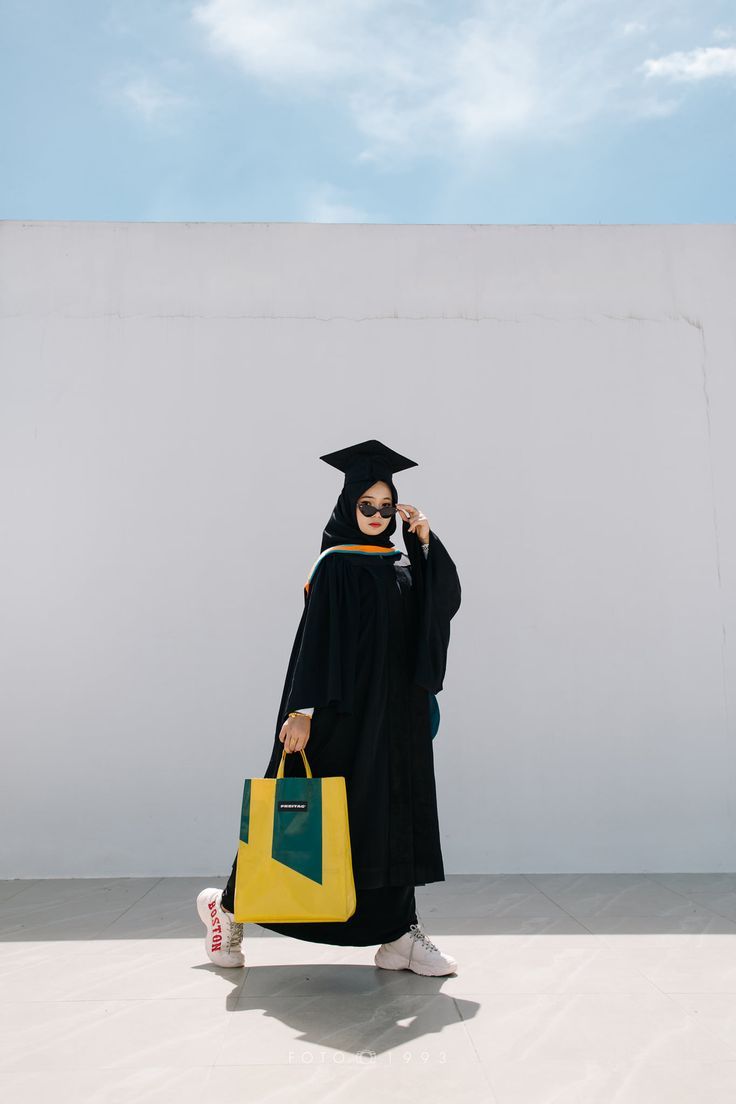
pixel 370 649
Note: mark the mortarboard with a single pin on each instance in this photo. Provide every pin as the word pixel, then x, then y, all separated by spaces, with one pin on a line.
pixel 368 460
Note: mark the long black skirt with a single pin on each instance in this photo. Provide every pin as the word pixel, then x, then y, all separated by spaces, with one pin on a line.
pixel 381 915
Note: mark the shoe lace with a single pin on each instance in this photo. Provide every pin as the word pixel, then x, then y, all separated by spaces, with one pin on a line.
pixel 416 932
pixel 233 931
pixel 235 937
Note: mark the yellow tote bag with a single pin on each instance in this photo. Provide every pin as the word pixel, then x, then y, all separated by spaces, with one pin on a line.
pixel 294 857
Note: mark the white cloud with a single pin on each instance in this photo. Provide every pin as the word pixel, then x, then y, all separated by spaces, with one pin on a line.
pixel 657 109
pixel 694 65
pixel 415 78
pixel 283 41
pixel 405 78
pixel 149 98
pixel 324 205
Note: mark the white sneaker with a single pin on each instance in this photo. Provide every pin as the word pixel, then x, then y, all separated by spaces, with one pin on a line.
pixel 415 951
pixel 224 936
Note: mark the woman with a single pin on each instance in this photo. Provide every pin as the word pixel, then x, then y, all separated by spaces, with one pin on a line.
pixel 368 659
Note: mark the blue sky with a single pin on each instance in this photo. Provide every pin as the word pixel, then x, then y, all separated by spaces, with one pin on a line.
pixel 378 111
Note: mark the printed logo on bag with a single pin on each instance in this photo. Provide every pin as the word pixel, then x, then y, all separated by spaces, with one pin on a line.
pixel 292 805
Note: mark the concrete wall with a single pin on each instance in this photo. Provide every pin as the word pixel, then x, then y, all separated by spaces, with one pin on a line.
pixel 570 393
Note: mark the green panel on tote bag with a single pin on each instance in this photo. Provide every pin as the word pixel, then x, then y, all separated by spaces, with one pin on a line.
pixel 297 832
pixel 245 812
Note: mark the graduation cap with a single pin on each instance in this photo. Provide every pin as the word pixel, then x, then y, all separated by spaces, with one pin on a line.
pixel 368 460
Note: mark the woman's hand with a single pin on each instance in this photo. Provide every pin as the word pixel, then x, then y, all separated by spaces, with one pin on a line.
pixel 418 522
pixel 295 732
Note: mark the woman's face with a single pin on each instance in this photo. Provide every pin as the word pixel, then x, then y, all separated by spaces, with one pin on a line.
pixel 377 495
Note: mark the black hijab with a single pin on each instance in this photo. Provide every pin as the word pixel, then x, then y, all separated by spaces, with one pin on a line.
pixel 342 528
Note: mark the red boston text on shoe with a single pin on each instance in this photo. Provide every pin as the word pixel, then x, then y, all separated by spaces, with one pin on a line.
pixel 216 929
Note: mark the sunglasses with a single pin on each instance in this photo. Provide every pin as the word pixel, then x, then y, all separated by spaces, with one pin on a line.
pixel 368 511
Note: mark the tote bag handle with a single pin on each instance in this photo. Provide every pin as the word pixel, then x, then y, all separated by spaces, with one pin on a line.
pixel 280 771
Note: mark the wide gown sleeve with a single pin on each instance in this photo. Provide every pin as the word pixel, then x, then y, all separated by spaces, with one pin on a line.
pixel 322 664
pixel 437 584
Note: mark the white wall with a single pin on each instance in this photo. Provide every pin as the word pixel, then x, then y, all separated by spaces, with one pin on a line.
pixel 570 394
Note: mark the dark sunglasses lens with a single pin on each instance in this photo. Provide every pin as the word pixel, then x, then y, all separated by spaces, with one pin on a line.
pixel 368 511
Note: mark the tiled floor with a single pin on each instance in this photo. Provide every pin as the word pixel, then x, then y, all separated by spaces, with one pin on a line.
pixel 585 988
